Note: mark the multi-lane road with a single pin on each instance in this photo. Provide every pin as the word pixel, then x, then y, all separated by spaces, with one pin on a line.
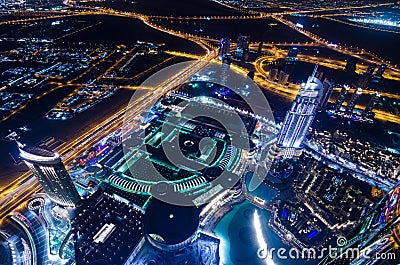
pixel 291 90
pixel 26 185
pixel 202 41
pixel 17 191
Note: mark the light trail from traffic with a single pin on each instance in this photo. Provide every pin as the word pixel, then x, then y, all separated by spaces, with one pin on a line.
pixel 261 61
pixel 355 52
pixel 17 192
pixel 26 185
pixel 290 92
pixel 23 187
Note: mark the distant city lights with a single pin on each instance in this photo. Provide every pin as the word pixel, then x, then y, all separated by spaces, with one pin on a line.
pixel 377 21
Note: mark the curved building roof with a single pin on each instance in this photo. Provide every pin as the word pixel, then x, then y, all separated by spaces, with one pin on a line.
pixel 170 224
pixel 38 154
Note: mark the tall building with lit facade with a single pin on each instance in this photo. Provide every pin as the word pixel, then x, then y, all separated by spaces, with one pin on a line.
pixel 327 92
pixel 291 57
pixel 377 77
pixel 291 60
pixel 353 100
pixel 342 97
pixel 376 239
pixel 298 120
pixel 364 80
pixel 49 170
pixel 371 104
pixel 242 48
pixel 224 47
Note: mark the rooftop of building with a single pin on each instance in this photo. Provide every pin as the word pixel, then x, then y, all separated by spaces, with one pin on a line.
pixel 170 224
pixel 37 153
pixel 116 244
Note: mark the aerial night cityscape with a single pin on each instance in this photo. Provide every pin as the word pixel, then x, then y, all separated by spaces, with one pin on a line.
pixel 199 132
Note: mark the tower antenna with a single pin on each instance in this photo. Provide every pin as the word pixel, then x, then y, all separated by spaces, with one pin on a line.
pixel 315 71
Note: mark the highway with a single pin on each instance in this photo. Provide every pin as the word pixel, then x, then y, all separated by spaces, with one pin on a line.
pixel 329 63
pixel 277 52
pixel 353 51
pixel 291 90
pixel 26 185
pixel 17 191
pixel 278 16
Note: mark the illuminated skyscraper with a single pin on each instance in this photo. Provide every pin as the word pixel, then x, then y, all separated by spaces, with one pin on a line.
pixel 353 100
pixel 341 98
pixel 242 48
pixel 224 46
pixel 51 174
pixel 364 80
pixel 377 77
pixel 291 61
pixel 381 69
pixel 292 55
pixel 371 104
pixel 283 78
pixel 327 92
pixel 298 119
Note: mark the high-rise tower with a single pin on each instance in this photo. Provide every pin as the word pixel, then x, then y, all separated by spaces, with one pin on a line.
pixel 371 104
pixel 242 48
pixel 298 119
pixel 327 92
pixel 224 47
pixel 48 168
pixel 353 100
pixel 364 80
pixel 377 77
pixel 291 57
pixel 341 98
